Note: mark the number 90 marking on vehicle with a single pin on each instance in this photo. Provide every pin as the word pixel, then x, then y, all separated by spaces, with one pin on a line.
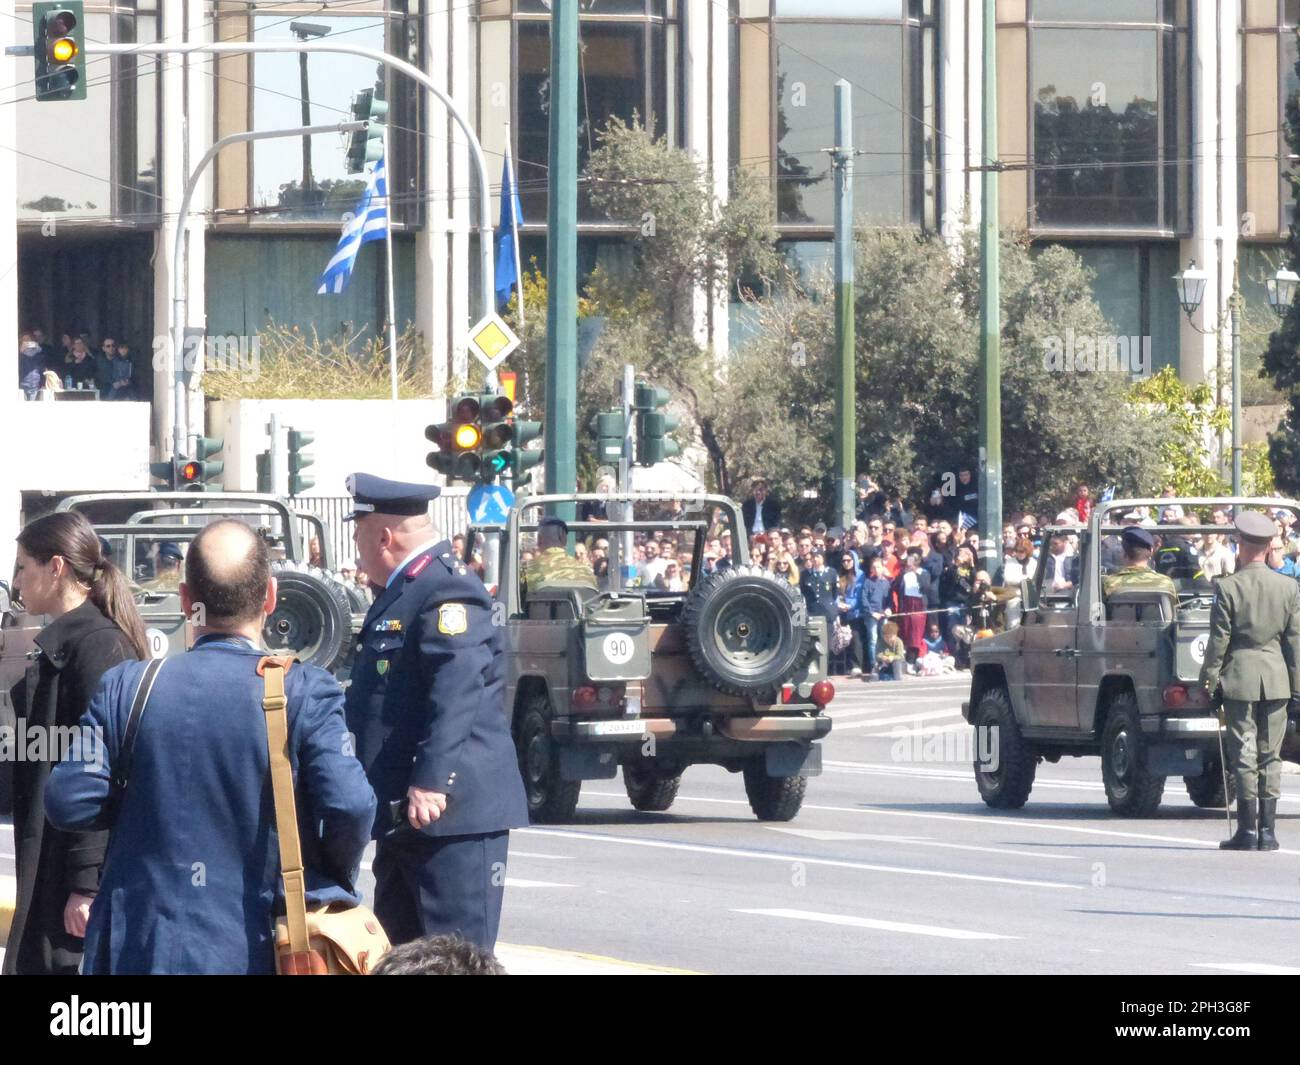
pixel 618 648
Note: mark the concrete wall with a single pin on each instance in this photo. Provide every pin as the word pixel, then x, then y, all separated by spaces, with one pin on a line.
pixel 80 447
pixel 375 436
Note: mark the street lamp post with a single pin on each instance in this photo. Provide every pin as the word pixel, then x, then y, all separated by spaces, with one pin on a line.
pixel 1190 283
pixel 306 31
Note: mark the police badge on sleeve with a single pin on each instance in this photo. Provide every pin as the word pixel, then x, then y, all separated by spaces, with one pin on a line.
pixel 452 619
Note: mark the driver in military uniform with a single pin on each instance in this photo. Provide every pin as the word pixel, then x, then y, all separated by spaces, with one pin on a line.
pixel 426 706
pixel 1254 652
pixel 1137 545
pixel 167 570
pixel 554 566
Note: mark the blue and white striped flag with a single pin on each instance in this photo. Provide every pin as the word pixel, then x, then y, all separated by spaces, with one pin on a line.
pixel 369 222
pixel 1108 495
pixel 964 521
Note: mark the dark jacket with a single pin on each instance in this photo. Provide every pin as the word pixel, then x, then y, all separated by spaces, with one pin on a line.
pixel 75 651
pixel 1049 563
pixel 820 592
pixel 771 514
pixel 427 700
pixel 933 564
pixel 192 877
pixel 923 577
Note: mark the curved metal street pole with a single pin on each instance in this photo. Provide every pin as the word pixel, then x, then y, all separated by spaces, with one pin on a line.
pixel 180 282
pixel 401 66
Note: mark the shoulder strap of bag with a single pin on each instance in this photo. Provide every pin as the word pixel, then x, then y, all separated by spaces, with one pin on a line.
pixel 122 768
pixel 275 704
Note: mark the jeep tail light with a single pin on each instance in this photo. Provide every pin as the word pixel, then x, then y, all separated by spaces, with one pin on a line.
pixel 822 693
pixel 1177 696
pixel 787 693
pixel 585 698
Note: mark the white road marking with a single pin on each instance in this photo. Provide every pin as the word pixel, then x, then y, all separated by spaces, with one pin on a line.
pixel 930 715
pixel 918 841
pixel 514 881
pixel 533 854
pixel 871 922
pixel 961 777
pixel 1260 968
pixel 984 820
pixel 737 852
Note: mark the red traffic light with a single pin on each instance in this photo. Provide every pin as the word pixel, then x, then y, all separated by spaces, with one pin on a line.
pixel 467 410
pixel 190 471
pixel 60 23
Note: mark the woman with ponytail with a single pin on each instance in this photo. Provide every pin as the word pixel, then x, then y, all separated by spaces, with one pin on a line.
pixel 93 625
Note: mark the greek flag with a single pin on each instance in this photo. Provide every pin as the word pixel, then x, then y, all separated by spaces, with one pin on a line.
pixel 369 222
pixel 964 521
pixel 1107 495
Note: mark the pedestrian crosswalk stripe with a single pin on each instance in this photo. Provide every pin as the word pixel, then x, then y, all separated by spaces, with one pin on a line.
pixel 876 924
pixel 872 722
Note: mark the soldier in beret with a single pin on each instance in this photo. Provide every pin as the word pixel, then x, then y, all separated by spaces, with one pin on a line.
pixel 1254 653
pixel 1137 545
pixel 426 705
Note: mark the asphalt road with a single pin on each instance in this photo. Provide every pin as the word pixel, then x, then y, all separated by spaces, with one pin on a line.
pixel 896 866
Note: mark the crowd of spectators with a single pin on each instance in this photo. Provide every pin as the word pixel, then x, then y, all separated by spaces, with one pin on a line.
pixel 77 363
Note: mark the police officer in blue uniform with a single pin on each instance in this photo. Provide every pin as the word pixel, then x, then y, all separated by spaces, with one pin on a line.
pixel 426 706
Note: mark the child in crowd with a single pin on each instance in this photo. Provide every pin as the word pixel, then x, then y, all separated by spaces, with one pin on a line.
pixel 891 655
pixel 937 658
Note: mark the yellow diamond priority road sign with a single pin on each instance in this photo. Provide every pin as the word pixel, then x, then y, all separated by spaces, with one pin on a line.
pixel 491 340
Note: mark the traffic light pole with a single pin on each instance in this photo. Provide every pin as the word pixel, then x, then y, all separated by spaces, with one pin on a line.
pixel 561 416
pixel 845 364
pixel 180 282
pixel 990 465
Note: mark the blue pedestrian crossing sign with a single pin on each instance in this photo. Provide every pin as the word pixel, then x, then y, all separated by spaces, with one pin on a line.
pixel 489 504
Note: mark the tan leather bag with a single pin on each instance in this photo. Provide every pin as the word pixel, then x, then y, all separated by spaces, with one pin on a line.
pixel 332 941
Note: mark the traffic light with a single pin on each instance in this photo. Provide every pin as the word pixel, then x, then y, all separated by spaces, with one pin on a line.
pixel 58 43
pixel 653 426
pixel 165 472
pixel 194 475
pixel 458 441
pixel 498 434
pixel 265 480
pixel 299 460
pixel 522 461
pixel 609 427
pixel 367 145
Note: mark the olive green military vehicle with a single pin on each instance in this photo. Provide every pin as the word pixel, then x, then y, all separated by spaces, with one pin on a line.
pixel 1078 673
pixel 316 618
pixel 655 675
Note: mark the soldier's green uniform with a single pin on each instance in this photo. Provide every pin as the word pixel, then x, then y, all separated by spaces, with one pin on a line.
pixel 1254 652
pixel 555 567
pixel 1136 577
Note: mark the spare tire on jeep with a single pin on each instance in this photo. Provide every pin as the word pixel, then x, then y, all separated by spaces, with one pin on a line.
pixel 312 618
pixel 747 629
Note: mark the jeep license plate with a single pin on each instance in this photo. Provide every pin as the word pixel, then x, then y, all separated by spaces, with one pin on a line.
pixel 617 728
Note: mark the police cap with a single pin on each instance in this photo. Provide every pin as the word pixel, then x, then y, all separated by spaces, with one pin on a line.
pixel 1136 536
pixel 167 549
pixel 371 495
pixel 1254 527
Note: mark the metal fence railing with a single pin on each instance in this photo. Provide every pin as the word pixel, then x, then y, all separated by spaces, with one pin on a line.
pixel 448 511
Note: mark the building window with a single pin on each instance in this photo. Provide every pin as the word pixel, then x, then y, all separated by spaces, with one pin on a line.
pixel 93 160
pixel 1109 87
pixel 289 182
pixel 1268 81
pixel 627 69
pixel 788 55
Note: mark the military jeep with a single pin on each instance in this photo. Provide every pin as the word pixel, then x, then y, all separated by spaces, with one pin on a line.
pixel 1076 673
pixel 316 618
pixel 728 670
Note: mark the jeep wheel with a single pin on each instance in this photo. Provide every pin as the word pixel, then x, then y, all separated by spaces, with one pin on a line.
pixel 1131 790
pixel 550 798
pixel 312 619
pixel 747 630
pixel 773 798
pixel 648 789
pixel 1007 782
pixel 1207 790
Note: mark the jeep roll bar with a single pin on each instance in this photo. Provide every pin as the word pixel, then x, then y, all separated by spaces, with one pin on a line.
pixel 145 517
pixel 199 503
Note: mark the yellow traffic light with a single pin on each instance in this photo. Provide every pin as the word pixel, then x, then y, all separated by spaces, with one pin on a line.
pixel 467 437
pixel 64 49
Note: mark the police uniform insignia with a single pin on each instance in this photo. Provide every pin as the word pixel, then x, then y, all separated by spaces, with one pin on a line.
pixel 389 625
pixel 452 619
pixel 381 667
